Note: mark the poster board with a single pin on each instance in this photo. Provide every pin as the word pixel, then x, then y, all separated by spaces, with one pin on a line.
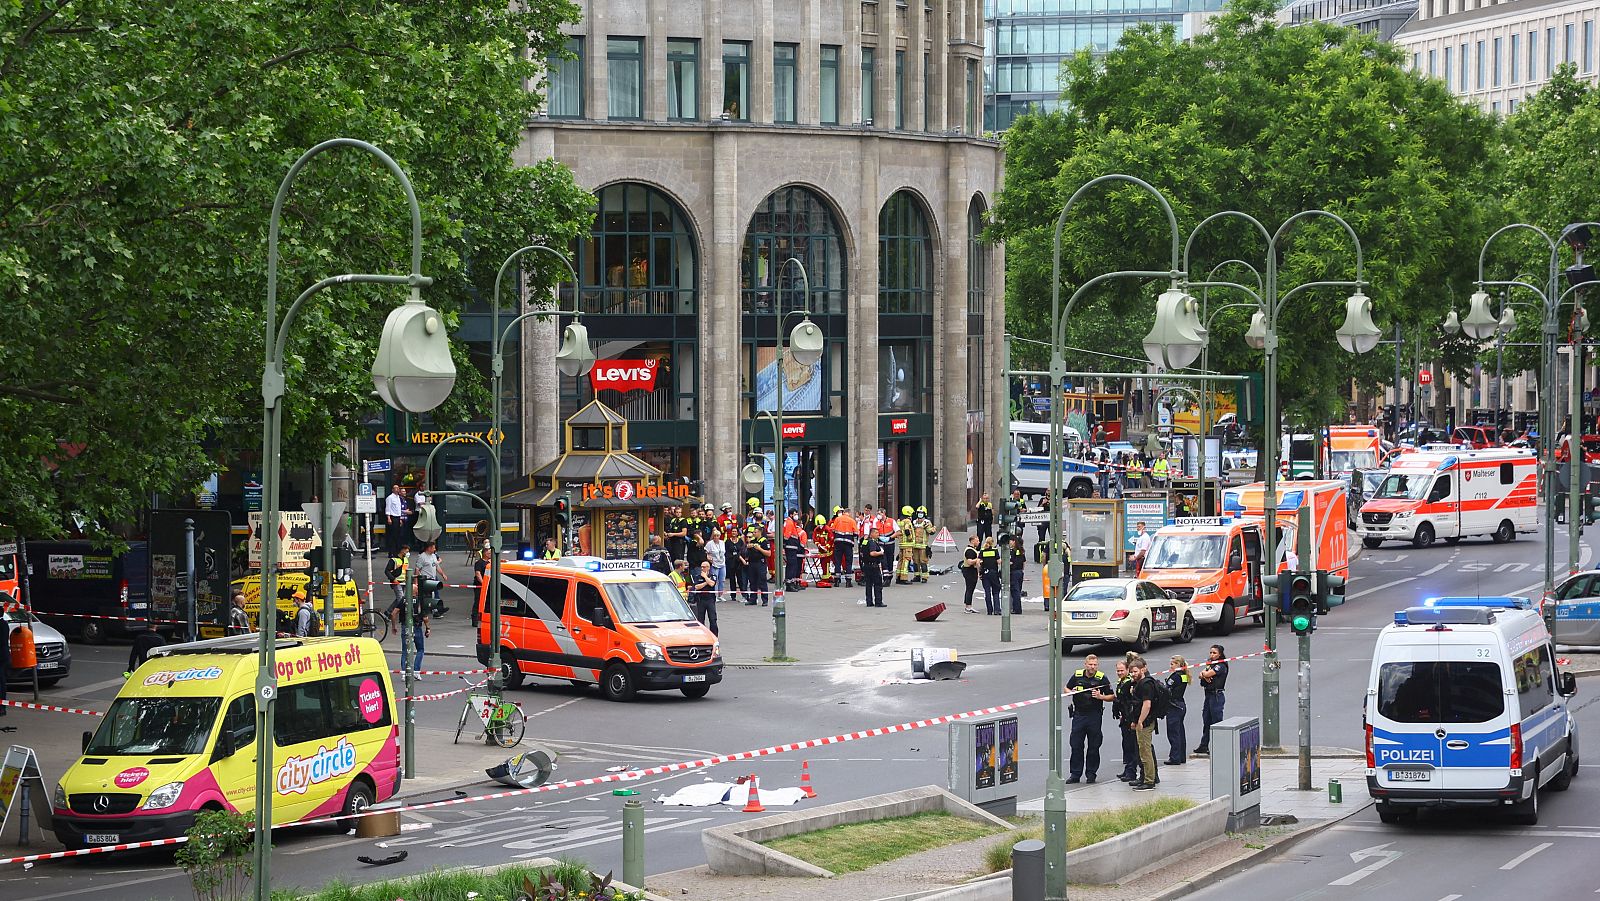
pixel 19 774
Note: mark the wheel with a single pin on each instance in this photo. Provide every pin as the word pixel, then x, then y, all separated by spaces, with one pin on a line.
pixel 696 691
pixel 1526 813
pixel 462 723
pixel 375 625
pixel 93 632
pixel 1225 624
pixel 1563 781
pixel 1391 815
pixel 1453 540
pixel 507 731
pixel 1424 536
pixel 356 799
pixel 1142 643
pixel 510 675
pixel 1371 544
pixel 617 683
pixel 1186 634
pixel 1505 533
pixel 1080 488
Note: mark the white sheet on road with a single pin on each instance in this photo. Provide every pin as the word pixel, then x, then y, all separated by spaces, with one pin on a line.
pixel 710 794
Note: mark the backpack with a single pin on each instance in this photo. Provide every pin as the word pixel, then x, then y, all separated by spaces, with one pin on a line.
pixel 315 628
pixel 1161 699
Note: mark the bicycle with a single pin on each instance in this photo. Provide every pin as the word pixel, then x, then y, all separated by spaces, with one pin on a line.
pixel 503 721
pixel 374 624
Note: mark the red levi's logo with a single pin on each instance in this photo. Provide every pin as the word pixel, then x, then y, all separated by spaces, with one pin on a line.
pixel 899 426
pixel 624 375
pixel 794 430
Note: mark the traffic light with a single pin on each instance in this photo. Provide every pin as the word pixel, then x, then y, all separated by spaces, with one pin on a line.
pixel 1300 602
pixel 1010 509
pixel 1330 591
pixel 564 510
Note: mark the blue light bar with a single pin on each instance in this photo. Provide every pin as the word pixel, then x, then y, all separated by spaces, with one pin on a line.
pixel 1400 618
pixel 1504 602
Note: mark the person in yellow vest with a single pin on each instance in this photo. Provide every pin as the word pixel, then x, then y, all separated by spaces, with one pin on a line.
pixel 903 568
pixel 1136 472
pixel 1158 472
pixel 680 577
pixel 921 537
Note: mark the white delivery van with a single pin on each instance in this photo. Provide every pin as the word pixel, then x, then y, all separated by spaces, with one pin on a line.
pixel 1465 708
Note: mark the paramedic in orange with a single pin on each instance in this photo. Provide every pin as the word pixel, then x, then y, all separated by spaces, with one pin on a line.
pixel 846 534
pixel 823 536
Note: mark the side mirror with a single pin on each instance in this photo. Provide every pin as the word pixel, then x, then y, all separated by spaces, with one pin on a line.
pixel 1567 685
pixel 225 746
pixel 87 737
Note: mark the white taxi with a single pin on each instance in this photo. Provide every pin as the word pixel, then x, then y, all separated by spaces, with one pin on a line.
pixel 1131 612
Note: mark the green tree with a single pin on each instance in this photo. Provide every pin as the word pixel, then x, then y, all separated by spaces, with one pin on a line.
pixel 1266 119
pixel 141 146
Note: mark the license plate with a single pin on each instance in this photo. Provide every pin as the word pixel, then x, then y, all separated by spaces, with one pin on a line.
pixel 49 664
pixel 1084 614
pixel 1409 774
pixel 102 838
pixel 698 677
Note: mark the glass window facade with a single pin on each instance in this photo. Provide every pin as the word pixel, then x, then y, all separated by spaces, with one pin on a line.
pixel 869 72
pixel 1515 56
pixel 792 222
pixel 828 82
pixel 905 258
pixel 565 99
pixel 625 78
pixel 900 89
pixel 1588 46
pixel 785 59
pixel 683 79
pixel 1495 64
pixel 639 258
pixel 736 80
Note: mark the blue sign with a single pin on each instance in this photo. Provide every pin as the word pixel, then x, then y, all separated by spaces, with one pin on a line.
pixel 376 465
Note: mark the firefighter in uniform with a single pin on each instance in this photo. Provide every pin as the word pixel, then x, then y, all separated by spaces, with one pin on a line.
pixel 903 528
pixel 921 537
pixel 846 535
pixel 728 522
pixel 823 536
pixel 794 546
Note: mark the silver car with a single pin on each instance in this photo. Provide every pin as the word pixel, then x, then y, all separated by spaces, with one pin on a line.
pixel 1577 602
pixel 55 658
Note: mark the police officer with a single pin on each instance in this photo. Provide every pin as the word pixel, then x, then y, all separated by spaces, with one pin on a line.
pixel 1123 711
pixel 983 517
pixel 921 537
pixel 1177 684
pixel 677 533
pixel 757 551
pixel 989 572
pixel 1090 690
pixel 1213 681
pixel 1019 559
pixel 734 554
pixel 873 555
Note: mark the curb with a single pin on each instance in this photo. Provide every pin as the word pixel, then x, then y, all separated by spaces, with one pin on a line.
pixel 1244 862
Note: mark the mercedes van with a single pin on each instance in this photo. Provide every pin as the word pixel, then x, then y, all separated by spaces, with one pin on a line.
pixel 1465 708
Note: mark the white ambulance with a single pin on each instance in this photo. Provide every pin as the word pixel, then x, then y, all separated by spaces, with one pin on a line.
pixel 1452 495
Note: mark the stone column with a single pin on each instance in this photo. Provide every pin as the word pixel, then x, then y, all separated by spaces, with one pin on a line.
pixel 861 448
pixel 540 401
pixel 720 345
pixel 950 344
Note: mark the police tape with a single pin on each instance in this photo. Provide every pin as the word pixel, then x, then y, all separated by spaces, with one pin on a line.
pixel 126 619
pixel 448 694
pixel 52 708
pixel 629 776
pixel 444 672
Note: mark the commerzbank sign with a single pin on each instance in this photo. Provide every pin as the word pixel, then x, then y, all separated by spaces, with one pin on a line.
pixel 487 435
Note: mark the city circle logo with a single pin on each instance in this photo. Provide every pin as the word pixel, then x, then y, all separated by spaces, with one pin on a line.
pixel 624 490
pixel 131 776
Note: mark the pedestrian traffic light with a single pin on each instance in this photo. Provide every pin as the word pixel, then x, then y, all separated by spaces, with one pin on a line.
pixel 563 510
pixel 1301 602
pixel 1330 591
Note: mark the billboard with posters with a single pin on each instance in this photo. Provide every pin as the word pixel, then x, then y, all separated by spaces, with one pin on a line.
pixel 212 534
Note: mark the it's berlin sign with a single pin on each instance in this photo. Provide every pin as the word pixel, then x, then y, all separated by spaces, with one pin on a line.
pixel 624 375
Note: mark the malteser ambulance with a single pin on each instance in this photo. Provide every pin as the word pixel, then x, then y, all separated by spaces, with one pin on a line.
pixel 1465 708
pixel 180 738
pixel 1453 495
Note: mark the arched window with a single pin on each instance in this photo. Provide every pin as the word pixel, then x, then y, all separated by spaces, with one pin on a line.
pixel 792 222
pixel 977 265
pixel 640 258
pixel 905 258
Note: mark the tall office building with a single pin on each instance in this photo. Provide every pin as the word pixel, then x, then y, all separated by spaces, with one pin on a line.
pixel 723 139
pixel 1381 18
pixel 1029 40
pixel 1496 54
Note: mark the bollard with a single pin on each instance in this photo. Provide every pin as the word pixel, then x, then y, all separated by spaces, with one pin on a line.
pixel 1335 792
pixel 632 839
pixel 1027 870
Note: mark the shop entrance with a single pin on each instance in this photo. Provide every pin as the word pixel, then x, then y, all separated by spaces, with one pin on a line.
pixel 902 475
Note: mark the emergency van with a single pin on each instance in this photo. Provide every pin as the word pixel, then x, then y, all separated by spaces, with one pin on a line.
pixel 1452 495
pixel 1322 504
pixel 1464 708
pixel 291 587
pixel 1212 562
pixel 1030 458
pixel 180 738
pixel 613 623
pixel 1352 447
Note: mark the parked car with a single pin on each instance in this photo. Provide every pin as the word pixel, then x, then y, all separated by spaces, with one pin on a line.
pixel 1577 601
pixel 1475 437
pixel 1131 612
pixel 73 582
pixel 49 646
pixel 1591 449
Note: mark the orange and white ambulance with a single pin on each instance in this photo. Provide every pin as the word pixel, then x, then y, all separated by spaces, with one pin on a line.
pixel 180 738
pixel 1214 563
pixel 1320 503
pixel 1352 447
pixel 1454 494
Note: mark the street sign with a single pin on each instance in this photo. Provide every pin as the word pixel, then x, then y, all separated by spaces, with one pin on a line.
pixel 335 516
pixel 296 538
pixel 376 466
pixel 366 501
pixel 1424 376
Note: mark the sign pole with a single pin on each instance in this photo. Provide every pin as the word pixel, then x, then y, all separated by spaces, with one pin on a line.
pixel 192 615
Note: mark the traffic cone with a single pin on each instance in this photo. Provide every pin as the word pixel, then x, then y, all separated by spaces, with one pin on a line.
pixel 754 804
pixel 805 779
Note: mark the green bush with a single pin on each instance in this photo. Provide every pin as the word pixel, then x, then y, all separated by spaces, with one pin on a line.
pixel 1086 829
pixel 217 855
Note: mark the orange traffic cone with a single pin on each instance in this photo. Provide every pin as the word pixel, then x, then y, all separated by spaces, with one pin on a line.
pixel 805 779
pixel 754 804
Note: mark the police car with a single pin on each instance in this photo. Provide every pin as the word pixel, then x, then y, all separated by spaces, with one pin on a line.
pixel 1465 708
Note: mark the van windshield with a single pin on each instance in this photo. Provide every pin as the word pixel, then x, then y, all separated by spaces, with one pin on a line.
pixel 1345 461
pixel 648 602
pixel 1405 487
pixel 138 726
pixel 1185 552
pixel 1440 691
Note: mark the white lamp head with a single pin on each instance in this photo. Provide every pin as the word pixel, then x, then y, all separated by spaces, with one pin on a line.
pixel 1178 336
pixel 575 357
pixel 1583 319
pixel 1452 322
pixel 413 371
pixel 753 478
pixel 1481 322
pixel 1358 334
pixel 805 343
pixel 1508 321
pixel 1256 335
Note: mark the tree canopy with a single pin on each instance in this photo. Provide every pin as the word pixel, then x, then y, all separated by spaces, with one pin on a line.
pixel 1269 120
pixel 143 144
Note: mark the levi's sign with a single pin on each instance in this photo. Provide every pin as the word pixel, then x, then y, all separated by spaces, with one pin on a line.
pixel 899 426
pixel 794 430
pixel 624 375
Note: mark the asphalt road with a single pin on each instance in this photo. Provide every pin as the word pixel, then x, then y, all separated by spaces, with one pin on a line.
pixel 761 706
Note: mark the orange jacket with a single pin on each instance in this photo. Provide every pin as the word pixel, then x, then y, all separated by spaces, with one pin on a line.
pixel 844 524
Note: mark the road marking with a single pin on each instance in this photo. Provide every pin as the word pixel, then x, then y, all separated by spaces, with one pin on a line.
pixel 1514 862
pixel 1450 898
pixel 554 709
pixel 102 888
pixel 1511 567
pixel 1430 572
pixel 542 850
pixel 1362 594
pixel 1382 852
pixel 1558 832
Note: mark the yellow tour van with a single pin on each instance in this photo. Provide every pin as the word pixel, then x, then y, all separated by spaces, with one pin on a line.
pixel 291 586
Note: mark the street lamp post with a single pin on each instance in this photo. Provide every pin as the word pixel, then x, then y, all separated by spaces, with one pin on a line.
pixel 413 371
pixel 1174 342
pixel 574 358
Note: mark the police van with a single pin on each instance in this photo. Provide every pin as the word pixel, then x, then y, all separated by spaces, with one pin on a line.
pixel 1465 708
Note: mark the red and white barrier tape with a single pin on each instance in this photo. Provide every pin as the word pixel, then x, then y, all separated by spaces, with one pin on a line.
pixel 445 672
pixel 447 694
pixel 125 619
pixel 100 849
pixel 26 705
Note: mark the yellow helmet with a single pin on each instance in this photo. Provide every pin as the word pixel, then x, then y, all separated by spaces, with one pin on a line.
pixel 753 503
pixel 822 520
pixel 906 510
pixel 922 511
